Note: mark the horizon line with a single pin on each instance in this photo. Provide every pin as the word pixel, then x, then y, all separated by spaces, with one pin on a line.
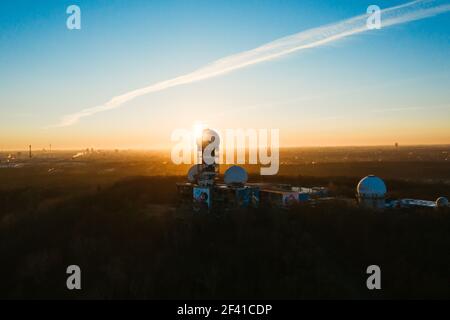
pixel 281 147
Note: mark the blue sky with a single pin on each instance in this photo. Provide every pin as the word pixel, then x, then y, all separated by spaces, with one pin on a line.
pixel 374 88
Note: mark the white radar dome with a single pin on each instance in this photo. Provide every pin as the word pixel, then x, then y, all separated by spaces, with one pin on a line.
pixel 371 187
pixel 193 173
pixel 441 202
pixel 235 175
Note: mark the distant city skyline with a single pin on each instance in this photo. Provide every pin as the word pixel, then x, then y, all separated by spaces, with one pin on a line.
pixel 375 88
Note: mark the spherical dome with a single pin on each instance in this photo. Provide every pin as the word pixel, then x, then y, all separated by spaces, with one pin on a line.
pixel 441 202
pixel 193 173
pixel 235 175
pixel 371 187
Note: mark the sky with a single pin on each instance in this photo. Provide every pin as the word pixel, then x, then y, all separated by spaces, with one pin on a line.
pixel 372 88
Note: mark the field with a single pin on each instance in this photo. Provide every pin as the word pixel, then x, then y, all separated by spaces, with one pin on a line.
pixel 115 214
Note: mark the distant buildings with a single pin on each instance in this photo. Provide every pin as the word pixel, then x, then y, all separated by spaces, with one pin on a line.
pixel 371 193
pixel 205 191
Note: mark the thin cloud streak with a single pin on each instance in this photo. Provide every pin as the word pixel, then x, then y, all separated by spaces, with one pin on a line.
pixel 303 40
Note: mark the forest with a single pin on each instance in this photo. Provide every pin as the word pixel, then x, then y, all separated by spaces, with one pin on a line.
pixel 132 241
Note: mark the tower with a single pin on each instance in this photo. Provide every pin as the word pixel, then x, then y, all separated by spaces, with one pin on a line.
pixel 29 152
pixel 207 157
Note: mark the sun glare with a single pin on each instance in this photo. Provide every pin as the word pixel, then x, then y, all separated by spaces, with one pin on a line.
pixel 198 128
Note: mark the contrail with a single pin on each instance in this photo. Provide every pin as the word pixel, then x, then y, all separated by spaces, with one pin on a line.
pixel 312 38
